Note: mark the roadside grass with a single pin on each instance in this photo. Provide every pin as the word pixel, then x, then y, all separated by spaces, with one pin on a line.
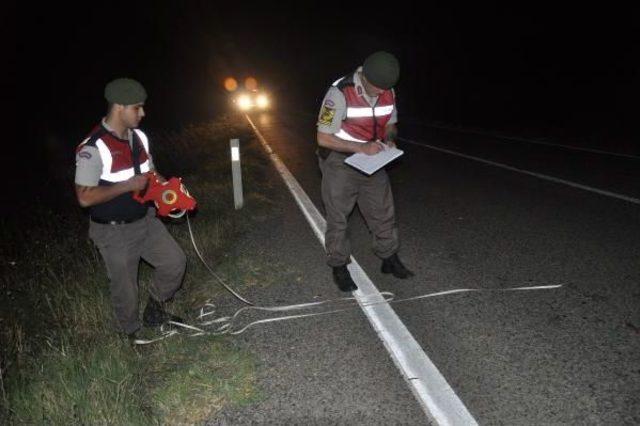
pixel 62 361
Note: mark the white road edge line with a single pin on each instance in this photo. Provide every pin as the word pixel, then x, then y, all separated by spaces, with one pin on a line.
pixel 438 400
pixel 526 172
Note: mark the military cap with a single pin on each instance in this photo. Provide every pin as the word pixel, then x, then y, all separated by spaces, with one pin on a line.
pixel 381 69
pixel 125 91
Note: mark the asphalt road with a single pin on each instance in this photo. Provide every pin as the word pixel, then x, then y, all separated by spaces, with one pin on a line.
pixel 564 356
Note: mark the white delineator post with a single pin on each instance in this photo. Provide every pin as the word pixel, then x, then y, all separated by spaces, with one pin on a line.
pixel 237 173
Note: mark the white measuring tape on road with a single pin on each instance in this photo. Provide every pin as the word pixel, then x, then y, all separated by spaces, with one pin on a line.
pixel 229 324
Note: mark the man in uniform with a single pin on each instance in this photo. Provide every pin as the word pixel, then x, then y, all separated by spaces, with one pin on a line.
pixel 109 167
pixel 358 114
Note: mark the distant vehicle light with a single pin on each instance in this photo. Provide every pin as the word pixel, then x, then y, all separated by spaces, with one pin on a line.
pixel 262 101
pixel 231 84
pixel 244 102
pixel 252 101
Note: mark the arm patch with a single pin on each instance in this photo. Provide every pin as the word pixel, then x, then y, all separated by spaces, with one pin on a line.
pixel 326 115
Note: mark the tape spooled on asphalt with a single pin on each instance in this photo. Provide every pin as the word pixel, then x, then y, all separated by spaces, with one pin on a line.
pixel 227 324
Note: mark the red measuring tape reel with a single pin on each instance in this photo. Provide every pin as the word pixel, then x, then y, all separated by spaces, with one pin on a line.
pixel 171 197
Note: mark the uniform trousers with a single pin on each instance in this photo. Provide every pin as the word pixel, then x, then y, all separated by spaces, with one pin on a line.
pixel 342 188
pixel 122 247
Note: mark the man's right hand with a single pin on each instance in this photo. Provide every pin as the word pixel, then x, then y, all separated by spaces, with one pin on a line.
pixel 91 195
pixel 137 182
pixel 371 148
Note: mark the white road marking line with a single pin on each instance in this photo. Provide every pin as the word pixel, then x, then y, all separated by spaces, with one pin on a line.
pixel 532 141
pixel 438 400
pixel 527 172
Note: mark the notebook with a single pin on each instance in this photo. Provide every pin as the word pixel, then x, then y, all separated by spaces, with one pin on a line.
pixel 370 164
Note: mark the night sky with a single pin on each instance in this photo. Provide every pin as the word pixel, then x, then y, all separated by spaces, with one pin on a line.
pixel 562 69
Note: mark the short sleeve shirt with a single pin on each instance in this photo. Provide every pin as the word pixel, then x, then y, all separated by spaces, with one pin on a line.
pixel 89 163
pixel 334 107
pixel 88 166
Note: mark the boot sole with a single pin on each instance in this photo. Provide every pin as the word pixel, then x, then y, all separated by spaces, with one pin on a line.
pixel 401 277
pixel 348 289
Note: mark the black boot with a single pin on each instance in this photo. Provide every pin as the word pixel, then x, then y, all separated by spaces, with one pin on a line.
pixel 132 337
pixel 343 279
pixel 392 265
pixel 154 315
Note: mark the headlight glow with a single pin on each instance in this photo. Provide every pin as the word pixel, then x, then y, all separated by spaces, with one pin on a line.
pixel 244 102
pixel 262 101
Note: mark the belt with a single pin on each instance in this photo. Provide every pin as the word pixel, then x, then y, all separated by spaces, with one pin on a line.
pixel 325 152
pixel 114 222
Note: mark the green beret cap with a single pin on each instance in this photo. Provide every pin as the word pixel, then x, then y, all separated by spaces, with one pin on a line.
pixel 125 91
pixel 381 69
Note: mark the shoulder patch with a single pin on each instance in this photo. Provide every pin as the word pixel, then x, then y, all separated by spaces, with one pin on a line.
pixel 329 103
pixel 326 115
pixel 84 154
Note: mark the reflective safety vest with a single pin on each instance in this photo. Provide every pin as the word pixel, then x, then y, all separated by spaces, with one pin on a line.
pixel 364 123
pixel 118 166
pixel 116 154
